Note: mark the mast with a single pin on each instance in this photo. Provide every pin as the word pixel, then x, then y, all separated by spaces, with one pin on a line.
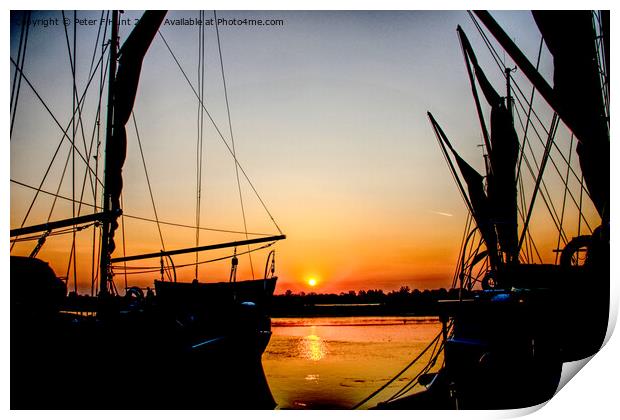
pixel 576 96
pixel 106 225
pixel 466 47
pixel 507 71
pixel 515 53
pixel 502 148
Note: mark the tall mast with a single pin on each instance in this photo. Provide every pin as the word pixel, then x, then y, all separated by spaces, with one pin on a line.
pixel 507 71
pixel 519 58
pixel 104 275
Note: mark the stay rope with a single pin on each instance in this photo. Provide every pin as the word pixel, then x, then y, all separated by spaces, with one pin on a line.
pixel 232 137
pixel 221 136
pixel 399 374
pixel 200 125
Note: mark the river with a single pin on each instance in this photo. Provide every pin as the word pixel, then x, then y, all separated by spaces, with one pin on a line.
pixel 335 362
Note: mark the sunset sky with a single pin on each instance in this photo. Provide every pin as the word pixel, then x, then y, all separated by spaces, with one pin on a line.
pixel 329 120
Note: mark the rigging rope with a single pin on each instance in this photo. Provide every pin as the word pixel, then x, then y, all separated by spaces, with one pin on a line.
pixel 526 256
pixel 518 100
pixel 555 146
pixel 25 27
pixel 142 218
pixel 62 177
pixel 501 66
pixel 77 108
pixel 72 62
pixel 406 368
pixel 548 201
pixel 74 96
pixel 101 25
pixel 457 270
pixel 540 168
pixel 468 265
pixel 415 380
pixel 64 131
pixel 88 150
pixel 57 232
pixel 521 96
pixel 554 125
pixel 219 132
pixel 153 269
pixel 200 126
pixel 232 137
pixel 557 254
pixel 21 55
pixel 529 112
pixel 601 60
pixel 148 182
pixel 97 239
pixel 124 244
pixel 529 103
pixel 529 244
pixel 440 135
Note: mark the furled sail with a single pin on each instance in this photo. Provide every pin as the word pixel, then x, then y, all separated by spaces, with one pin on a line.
pixel 570 37
pixel 478 201
pixel 124 94
pixel 502 187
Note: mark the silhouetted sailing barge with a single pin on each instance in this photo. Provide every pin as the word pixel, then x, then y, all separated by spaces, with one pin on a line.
pixel 504 348
pixel 188 345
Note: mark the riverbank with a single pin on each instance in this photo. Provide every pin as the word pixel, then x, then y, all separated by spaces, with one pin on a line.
pixel 403 302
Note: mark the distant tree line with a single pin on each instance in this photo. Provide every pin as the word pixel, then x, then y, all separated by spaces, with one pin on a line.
pixel 363 302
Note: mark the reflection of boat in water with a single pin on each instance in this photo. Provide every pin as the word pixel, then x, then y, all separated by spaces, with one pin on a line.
pixel 181 345
pixel 505 341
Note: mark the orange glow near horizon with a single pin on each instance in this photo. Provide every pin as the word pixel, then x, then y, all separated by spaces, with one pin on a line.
pixel 359 186
pixel 418 251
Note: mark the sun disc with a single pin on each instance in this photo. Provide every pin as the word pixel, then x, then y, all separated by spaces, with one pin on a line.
pixel 312 282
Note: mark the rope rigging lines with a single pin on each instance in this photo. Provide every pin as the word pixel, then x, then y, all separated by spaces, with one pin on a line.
pixel 219 133
pixel 200 129
pixel 77 129
pixel 84 143
pixel 56 232
pixel 144 219
pixel 527 117
pixel 199 93
pixel 409 386
pixel 64 135
pixel 77 103
pixel 551 159
pixel 17 77
pixel 232 137
pixel 152 269
pixel 148 183
pixel 601 25
pixel 78 109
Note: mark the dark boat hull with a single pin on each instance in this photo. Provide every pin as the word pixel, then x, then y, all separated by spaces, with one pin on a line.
pixel 508 346
pixel 152 353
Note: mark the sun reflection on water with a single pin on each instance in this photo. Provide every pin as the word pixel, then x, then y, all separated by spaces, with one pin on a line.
pixel 313 347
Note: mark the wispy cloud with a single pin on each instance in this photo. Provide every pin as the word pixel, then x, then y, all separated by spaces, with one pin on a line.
pixel 441 213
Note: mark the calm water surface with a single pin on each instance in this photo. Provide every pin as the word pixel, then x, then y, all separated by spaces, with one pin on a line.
pixel 325 363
